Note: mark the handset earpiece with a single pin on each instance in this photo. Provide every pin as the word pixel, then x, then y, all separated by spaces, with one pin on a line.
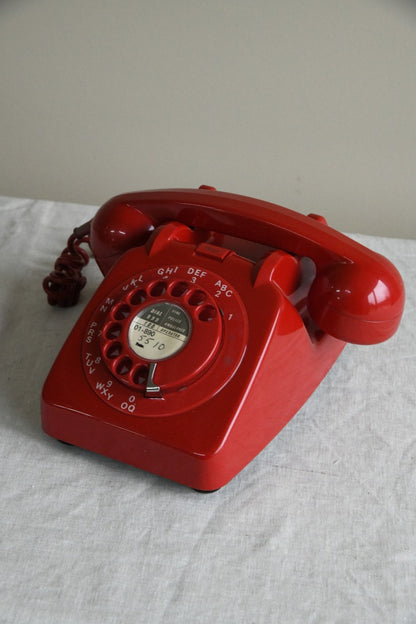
pixel 355 304
pixel 116 227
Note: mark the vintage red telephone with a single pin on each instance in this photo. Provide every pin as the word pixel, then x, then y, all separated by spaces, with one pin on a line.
pixel 217 318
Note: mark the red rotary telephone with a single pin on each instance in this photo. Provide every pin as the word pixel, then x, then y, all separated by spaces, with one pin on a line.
pixel 217 318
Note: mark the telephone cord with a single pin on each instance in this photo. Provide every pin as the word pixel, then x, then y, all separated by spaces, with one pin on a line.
pixel 64 284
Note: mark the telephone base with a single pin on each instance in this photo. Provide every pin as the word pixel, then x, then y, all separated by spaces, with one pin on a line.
pixel 240 360
pixel 202 448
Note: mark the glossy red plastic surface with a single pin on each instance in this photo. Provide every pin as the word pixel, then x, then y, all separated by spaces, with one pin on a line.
pixel 190 357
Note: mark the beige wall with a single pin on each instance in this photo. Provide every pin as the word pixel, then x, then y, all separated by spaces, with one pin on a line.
pixel 310 104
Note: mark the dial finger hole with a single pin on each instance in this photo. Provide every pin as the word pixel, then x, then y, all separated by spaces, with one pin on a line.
pixel 124 366
pixel 113 350
pixel 137 297
pixel 140 374
pixel 207 313
pixel 179 289
pixel 158 289
pixel 112 331
pixel 197 298
pixel 121 312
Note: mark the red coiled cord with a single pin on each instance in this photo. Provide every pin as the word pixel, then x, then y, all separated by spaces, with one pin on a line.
pixel 64 284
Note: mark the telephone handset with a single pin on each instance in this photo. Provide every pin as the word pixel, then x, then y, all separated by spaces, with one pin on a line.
pixel 217 318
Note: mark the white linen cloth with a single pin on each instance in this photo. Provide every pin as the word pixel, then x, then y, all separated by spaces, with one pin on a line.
pixel 319 528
